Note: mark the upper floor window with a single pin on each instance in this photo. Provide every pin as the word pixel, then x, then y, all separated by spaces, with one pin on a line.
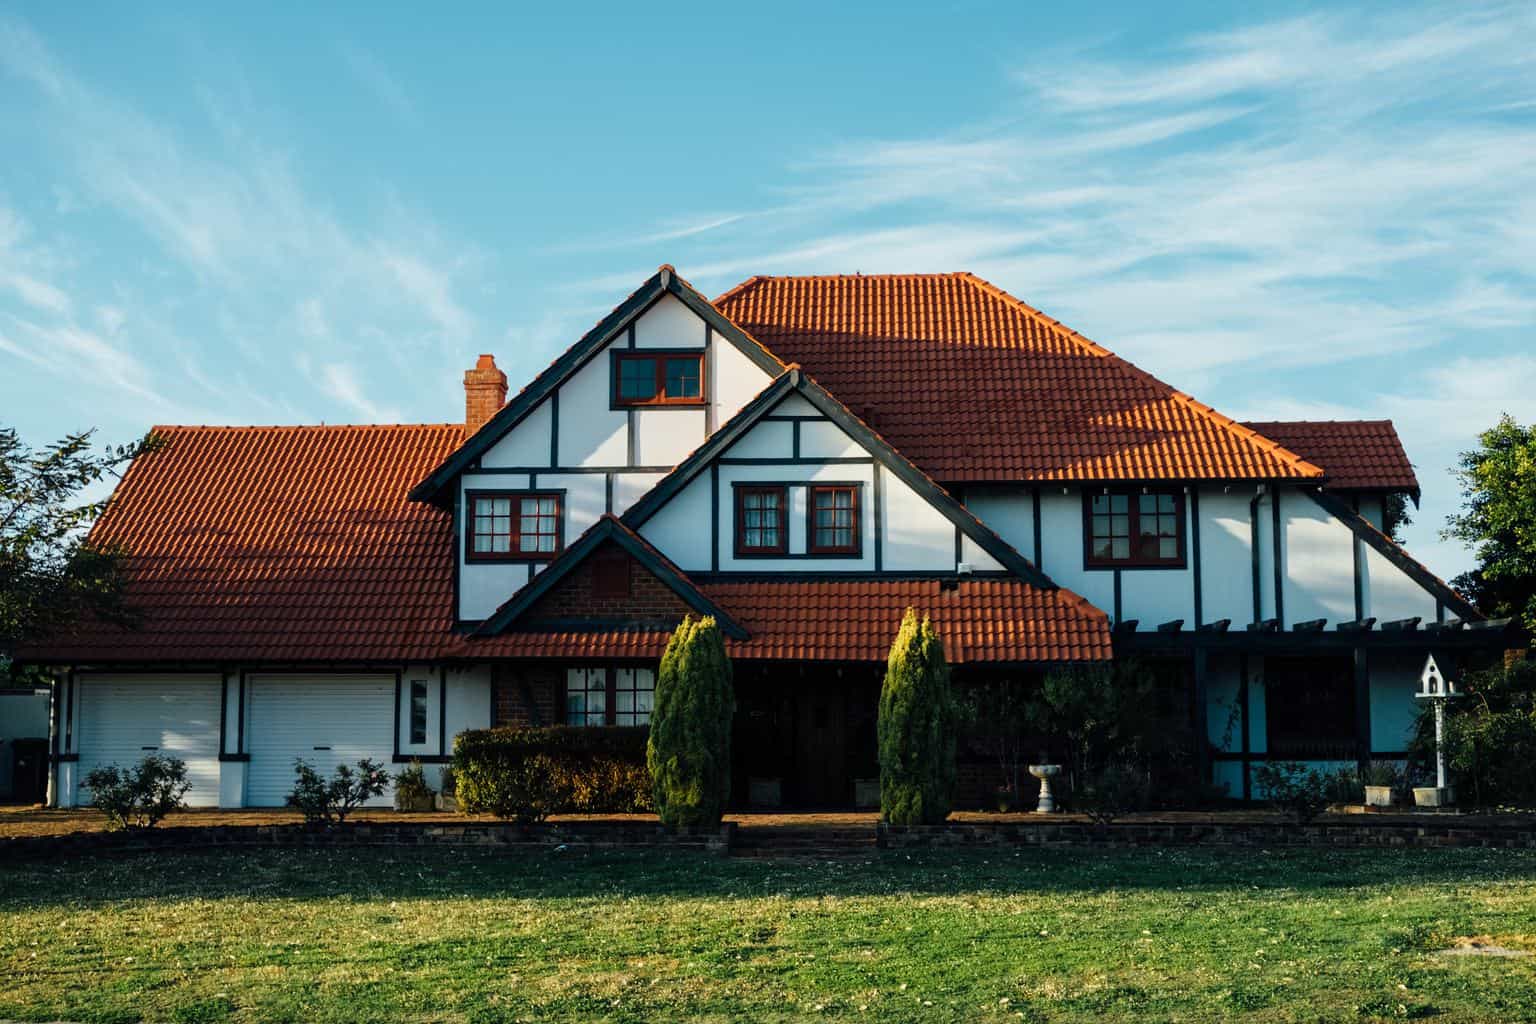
pixel 762 520
pixel 1129 529
pixel 834 519
pixel 512 526
pixel 652 377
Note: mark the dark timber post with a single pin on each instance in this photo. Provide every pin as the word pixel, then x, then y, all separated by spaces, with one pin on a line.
pixel 1362 707
pixel 1202 730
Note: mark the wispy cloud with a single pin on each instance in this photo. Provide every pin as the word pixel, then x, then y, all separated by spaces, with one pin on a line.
pixel 371 73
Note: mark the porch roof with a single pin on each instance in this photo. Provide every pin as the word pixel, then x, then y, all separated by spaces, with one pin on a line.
pixel 980 620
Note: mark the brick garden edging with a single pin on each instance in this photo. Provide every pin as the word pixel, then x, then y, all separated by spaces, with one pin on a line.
pixel 956 835
pixel 509 836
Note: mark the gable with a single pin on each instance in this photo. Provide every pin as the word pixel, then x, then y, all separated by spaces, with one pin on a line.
pixel 794 437
pixel 563 417
pixel 610 588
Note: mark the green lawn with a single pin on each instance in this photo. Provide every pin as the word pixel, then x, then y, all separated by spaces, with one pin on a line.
pixel 437 935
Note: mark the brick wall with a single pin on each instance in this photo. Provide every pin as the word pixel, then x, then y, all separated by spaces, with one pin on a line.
pixel 526 695
pixel 650 602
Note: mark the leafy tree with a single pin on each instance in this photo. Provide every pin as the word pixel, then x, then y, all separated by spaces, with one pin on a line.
pixel 50 573
pixel 1109 716
pixel 917 728
pixel 1498 517
pixel 997 720
pixel 1490 736
pixel 689 750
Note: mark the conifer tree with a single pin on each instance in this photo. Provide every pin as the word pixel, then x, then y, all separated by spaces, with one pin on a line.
pixel 689 751
pixel 917 728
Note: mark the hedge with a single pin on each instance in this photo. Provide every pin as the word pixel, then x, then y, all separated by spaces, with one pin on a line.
pixel 529 774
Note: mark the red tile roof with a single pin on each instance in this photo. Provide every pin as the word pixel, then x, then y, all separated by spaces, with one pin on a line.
pixel 298 544
pixel 981 620
pixel 1356 454
pixel 279 544
pixel 973 385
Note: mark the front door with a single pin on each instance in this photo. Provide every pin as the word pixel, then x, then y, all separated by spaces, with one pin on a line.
pixel 821 741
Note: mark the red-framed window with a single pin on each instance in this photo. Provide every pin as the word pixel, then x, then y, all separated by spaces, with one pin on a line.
pixel 512 526
pixel 1127 529
pixel 833 527
pixel 609 695
pixel 658 377
pixel 762 519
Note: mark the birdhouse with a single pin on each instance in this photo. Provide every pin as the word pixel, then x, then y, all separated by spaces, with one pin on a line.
pixel 1433 684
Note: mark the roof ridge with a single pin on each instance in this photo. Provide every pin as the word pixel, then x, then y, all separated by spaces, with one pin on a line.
pixel 1220 419
pixel 1383 422
pixel 305 426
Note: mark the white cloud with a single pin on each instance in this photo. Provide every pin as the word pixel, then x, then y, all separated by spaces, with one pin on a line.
pixel 371 73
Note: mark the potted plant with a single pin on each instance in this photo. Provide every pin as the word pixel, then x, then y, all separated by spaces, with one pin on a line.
pixel 447 800
pixel 1382 780
pixel 411 790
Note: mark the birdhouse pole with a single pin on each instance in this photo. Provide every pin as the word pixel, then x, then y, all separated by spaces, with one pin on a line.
pixel 1433 686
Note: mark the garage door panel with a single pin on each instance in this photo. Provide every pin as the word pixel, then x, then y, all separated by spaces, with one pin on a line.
pixel 325 720
pixel 120 721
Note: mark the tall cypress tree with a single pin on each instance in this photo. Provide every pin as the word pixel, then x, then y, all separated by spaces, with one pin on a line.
pixel 917 727
pixel 689 750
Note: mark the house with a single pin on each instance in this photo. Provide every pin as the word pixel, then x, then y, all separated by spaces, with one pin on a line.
pixel 803 458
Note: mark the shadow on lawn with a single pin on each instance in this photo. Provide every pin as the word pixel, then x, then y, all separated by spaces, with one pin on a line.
pixel 396 874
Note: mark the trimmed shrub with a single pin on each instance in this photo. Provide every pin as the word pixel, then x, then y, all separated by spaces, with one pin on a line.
pixel 917 725
pixel 328 801
pixel 529 774
pixel 138 797
pixel 689 754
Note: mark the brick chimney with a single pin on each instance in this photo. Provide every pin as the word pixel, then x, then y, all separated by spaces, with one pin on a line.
pixel 485 392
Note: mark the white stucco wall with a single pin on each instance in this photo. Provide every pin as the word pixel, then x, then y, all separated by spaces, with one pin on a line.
pixel 1009 511
pixel 591 433
pixel 669 324
pixel 1320 563
pixel 1226 576
pixel 734 380
pixel 526 444
pixel 680 528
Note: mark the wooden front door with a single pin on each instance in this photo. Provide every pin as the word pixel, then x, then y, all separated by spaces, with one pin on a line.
pixel 821 743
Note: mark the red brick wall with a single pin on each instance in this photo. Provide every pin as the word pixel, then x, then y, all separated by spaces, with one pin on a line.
pixel 527 695
pixel 650 601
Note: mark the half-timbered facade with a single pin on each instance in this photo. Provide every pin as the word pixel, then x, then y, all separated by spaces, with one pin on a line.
pixel 802 458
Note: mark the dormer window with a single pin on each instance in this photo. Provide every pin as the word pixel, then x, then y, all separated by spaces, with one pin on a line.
pixel 512 526
pixel 762 519
pixel 655 377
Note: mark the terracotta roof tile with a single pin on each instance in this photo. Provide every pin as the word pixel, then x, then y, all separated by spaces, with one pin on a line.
pixel 981 620
pixel 278 544
pixel 1356 454
pixel 973 385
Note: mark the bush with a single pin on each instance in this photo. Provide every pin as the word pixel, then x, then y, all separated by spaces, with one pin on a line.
pixel 1490 737
pixel 689 754
pixel 916 725
pixel 139 797
pixel 1112 792
pixel 411 789
pixel 328 802
pixel 1383 773
pixel 1291 787
pixel 529 774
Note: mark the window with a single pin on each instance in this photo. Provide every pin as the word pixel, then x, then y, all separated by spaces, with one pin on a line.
pixel 762 520
pixel 513 526
pixel 834 525
pixel 652 377
pixel 418 711
pixel 609 695
pixel 1309 708
pixel 1135 529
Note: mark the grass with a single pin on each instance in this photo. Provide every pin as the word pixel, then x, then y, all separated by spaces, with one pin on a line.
pixel 436 935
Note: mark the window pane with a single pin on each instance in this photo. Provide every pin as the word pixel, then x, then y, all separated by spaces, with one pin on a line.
pixel 482 542
pixel 637 379
pixel 683 377
pixel 1168 547
pixel 501 544
pixel 501 506
pixel 1165 504
pixel 1147 504
pixel 576 708
pixel 1119 503
pixel 1120 547
pixel 1100 503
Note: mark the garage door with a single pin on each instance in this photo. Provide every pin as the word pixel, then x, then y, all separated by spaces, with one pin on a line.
pixel 326 720
pixel 122 719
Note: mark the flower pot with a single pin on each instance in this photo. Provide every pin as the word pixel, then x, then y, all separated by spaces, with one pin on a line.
pixel 1432 796
pixel 1378 796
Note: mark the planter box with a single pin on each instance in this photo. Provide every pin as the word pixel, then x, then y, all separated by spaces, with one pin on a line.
pixel 765 792
pixel 866 792
pixel 1378 796
pixel 1430 796
pixel 419 804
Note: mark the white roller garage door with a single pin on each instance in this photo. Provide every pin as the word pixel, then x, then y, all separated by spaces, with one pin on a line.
pixel 120 720
pixel 326 720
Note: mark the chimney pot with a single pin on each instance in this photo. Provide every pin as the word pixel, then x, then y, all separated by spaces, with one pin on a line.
pixel 485 392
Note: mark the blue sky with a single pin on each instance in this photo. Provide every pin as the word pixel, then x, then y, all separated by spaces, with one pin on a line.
pixel 235 214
